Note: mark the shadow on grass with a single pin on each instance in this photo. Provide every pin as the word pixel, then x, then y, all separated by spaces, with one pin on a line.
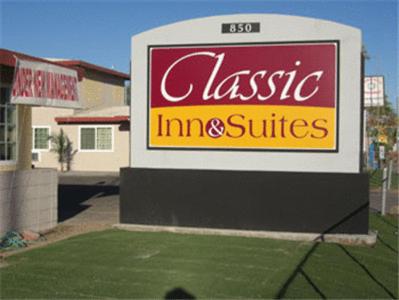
pixel 365 269
pixel 299 268
pixel 178 293
pixel 387 245
pixel 314 286
pixel 381 218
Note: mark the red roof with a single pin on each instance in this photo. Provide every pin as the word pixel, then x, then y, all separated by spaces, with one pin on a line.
pixel 7 58
pixel 86 65
pixel 75 120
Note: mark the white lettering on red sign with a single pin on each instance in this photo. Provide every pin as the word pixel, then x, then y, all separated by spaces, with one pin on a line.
pixel 43 84
pixel 232 82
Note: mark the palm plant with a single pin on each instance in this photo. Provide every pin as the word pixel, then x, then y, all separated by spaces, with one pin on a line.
pixel 62 146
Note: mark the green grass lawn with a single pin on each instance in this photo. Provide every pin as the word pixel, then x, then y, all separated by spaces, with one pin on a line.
pixel 121 264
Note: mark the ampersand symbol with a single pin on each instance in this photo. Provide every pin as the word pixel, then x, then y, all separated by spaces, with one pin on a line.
pixel 215 128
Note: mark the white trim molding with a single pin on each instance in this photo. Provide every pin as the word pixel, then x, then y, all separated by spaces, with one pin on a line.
pixel 33 138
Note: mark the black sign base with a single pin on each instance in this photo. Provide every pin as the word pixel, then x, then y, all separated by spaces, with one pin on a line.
pixel 268 201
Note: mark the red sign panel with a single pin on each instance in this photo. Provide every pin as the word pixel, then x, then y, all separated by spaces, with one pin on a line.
pixel 232 84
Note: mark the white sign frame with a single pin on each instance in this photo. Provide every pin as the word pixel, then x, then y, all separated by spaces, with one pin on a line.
pixel 273 28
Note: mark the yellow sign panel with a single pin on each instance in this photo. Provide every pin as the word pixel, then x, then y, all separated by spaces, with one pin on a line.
pixel 243 126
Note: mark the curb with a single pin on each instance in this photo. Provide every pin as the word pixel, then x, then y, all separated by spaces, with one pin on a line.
pixel 345 239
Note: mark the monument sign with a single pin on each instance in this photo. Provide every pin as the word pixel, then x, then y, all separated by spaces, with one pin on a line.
pixel 247 122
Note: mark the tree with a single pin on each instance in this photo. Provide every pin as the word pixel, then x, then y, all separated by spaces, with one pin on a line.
pixel 382 127
pixel 62 146
pixel 383 121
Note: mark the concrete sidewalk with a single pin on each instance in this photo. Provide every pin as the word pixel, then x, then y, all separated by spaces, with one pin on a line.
pixel 89 198
pixel 87 174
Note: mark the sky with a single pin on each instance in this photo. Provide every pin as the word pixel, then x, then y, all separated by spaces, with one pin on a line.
pixel 99 32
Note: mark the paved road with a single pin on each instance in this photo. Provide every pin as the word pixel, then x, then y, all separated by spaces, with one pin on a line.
pixel 93 198
pixel 88 199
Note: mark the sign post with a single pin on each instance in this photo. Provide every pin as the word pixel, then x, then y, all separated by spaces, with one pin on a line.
pixel 247 122
pixel 384 190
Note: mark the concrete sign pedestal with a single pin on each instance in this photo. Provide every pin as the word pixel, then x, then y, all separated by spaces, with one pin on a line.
pixel 273 201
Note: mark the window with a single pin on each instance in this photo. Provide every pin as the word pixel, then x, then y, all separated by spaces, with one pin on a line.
pixel 87 138
pixel 8 126
pixel 35 156
pixel 41 138
pixel 98 138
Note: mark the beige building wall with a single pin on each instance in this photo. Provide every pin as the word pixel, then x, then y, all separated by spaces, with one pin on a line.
pixel 45 116
pixel 87 160
pixel 99 90
pixel 24 141
pixel 95 160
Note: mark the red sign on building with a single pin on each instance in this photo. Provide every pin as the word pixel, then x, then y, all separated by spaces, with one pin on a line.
pixel 38 83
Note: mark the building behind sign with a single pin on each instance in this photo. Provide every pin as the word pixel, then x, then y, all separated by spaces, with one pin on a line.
pixel 103 119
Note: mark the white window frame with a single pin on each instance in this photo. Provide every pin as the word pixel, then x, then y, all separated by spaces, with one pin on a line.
pixel 95 138
pixel 33 139
pixel 12 162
